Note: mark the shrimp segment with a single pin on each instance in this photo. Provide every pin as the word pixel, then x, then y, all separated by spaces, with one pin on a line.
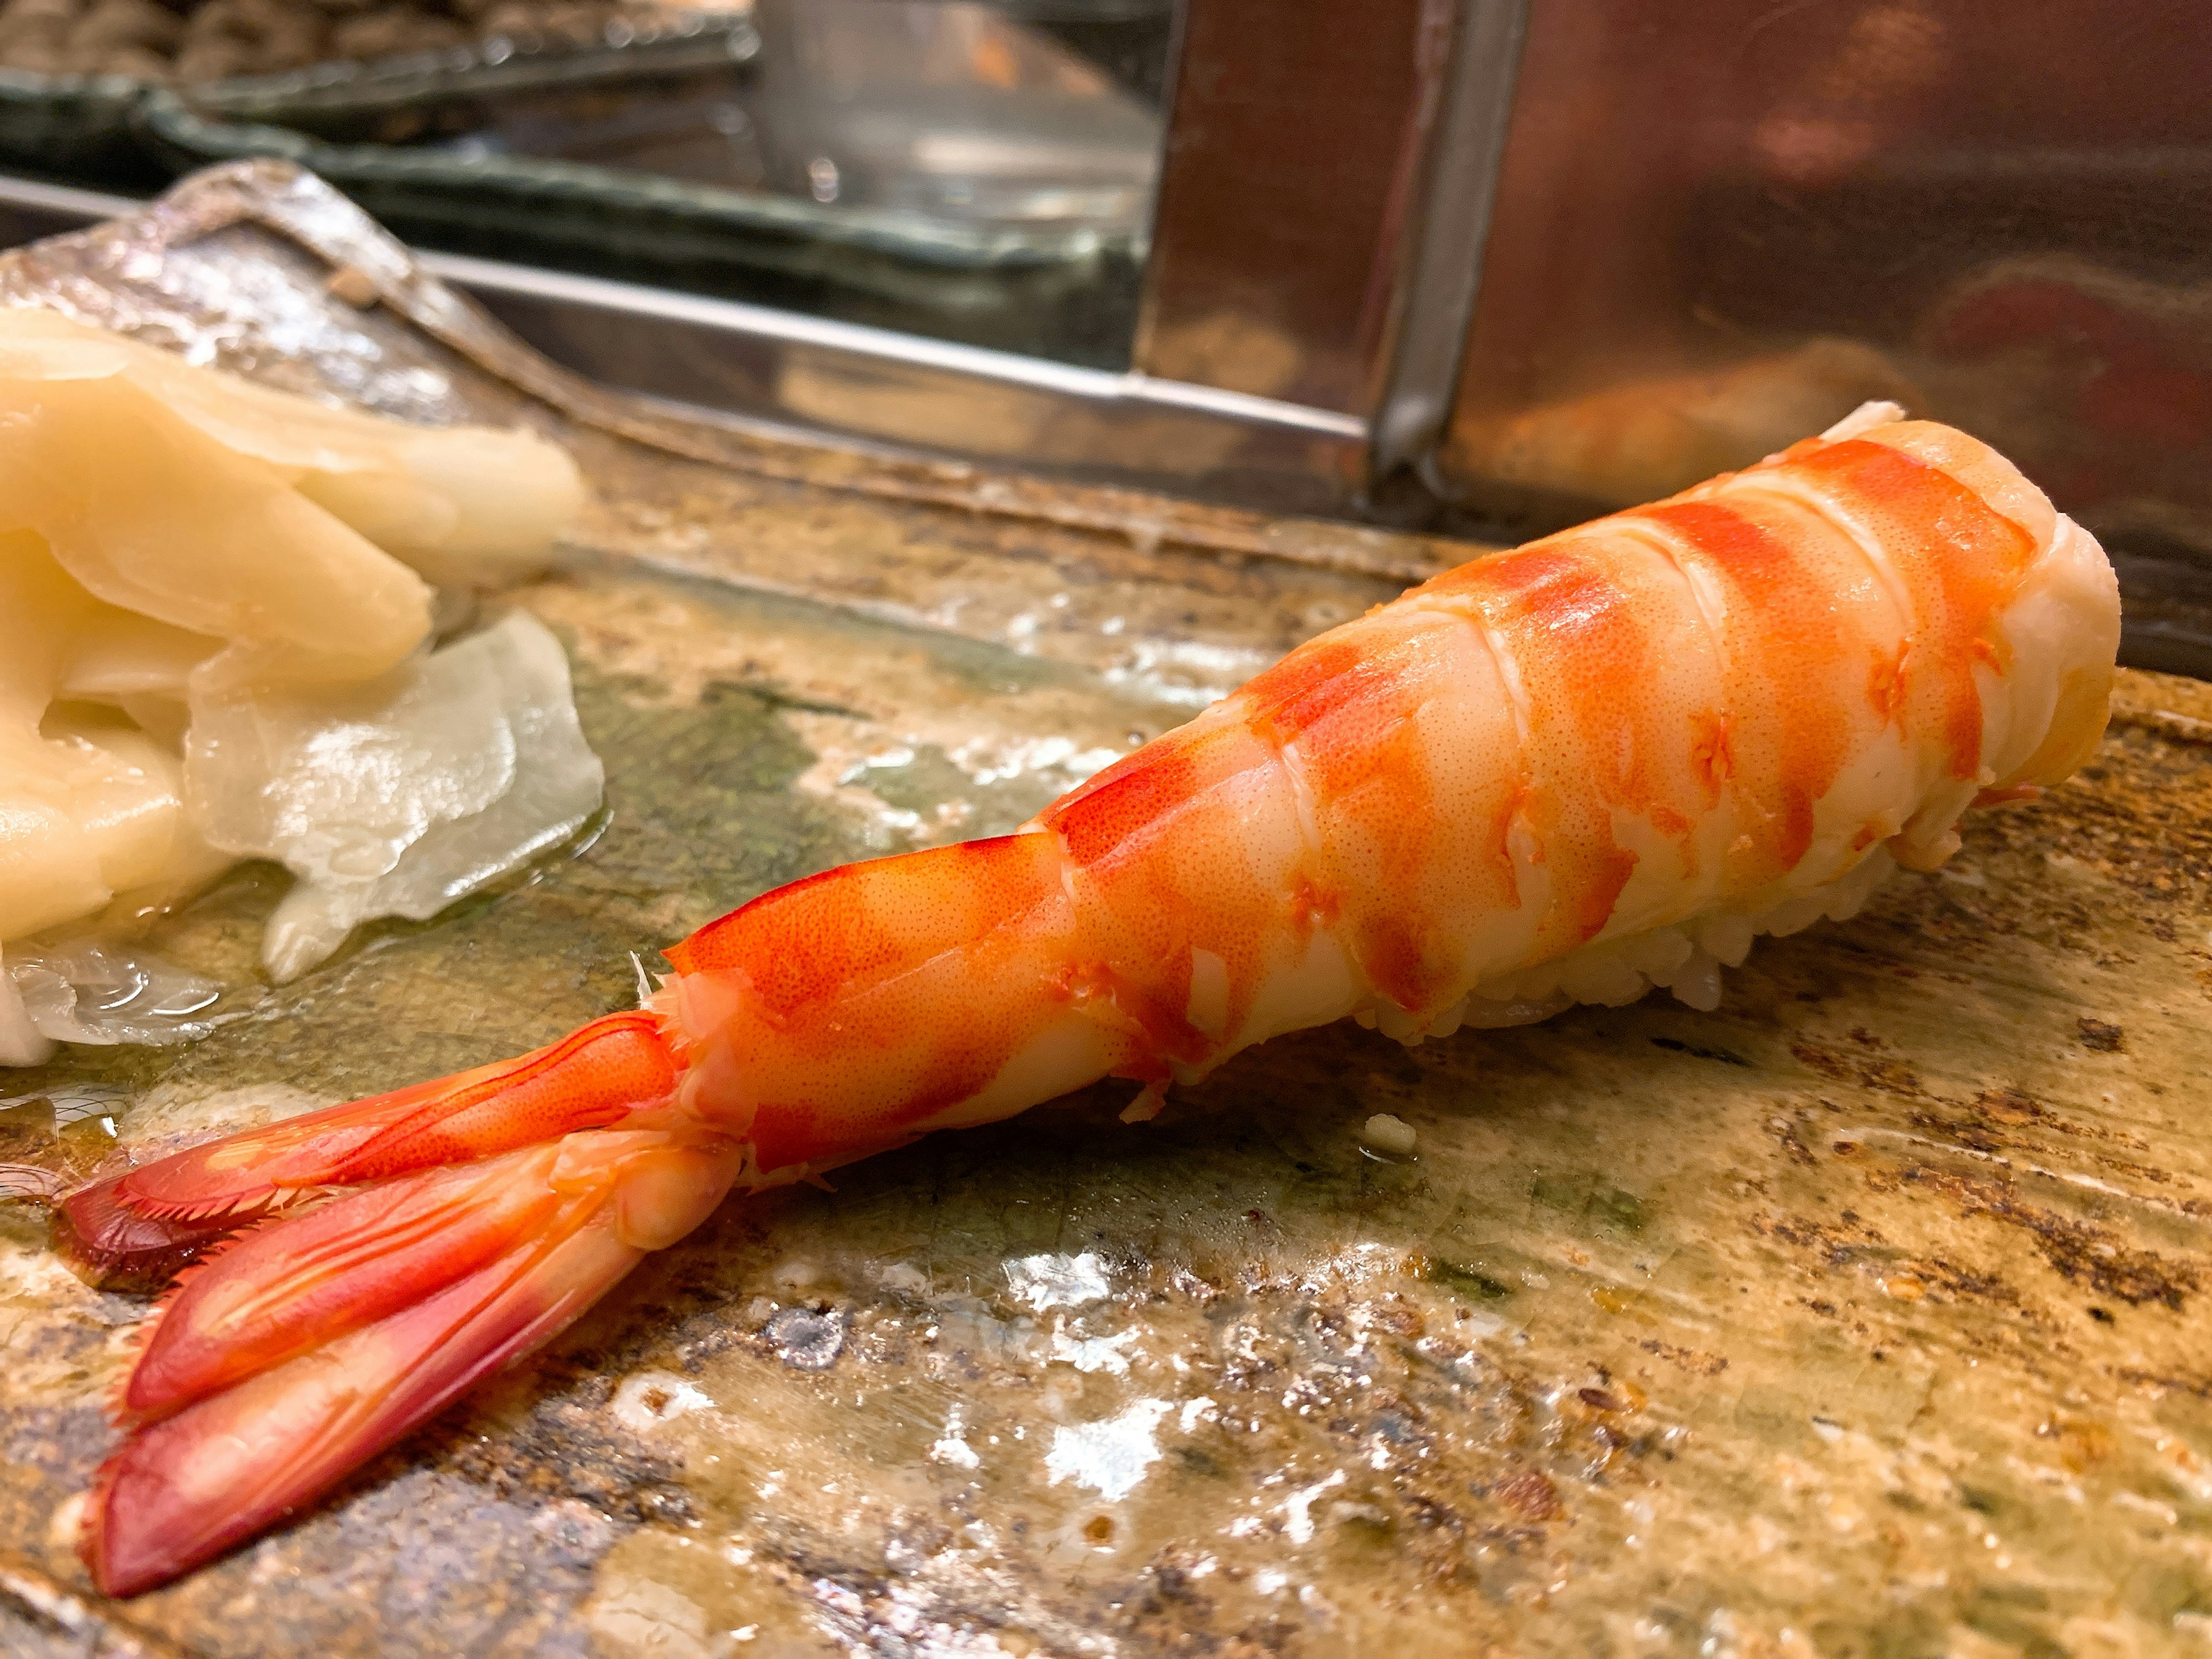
pixel 1394 724
pixel 1596 764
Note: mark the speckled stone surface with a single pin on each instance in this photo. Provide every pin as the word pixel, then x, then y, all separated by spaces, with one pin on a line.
pixel 1863 1316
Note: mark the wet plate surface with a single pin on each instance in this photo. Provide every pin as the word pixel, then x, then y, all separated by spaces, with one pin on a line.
pixel 1862 1316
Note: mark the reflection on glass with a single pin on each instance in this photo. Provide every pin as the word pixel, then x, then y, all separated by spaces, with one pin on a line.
pixel 956 111
pixel 974 172
pixel 962 114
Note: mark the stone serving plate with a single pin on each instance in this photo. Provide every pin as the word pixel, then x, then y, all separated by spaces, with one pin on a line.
pixel 1861 1317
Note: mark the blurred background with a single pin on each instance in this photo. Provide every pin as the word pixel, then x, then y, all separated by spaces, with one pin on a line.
pixel 1483 267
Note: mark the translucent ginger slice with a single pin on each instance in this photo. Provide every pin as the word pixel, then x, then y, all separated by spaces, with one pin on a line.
pixel 83 810
pixel 396 799
pixel 21 1043
pixel 120 788
pixel 47 874
pixel 461 504
pixel 150 515
pixel 84 991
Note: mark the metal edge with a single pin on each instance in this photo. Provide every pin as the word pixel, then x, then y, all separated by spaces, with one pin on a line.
pixel 1469 148
pixel 66 201
pixel 978 363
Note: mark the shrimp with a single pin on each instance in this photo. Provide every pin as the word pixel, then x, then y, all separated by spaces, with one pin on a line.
pixel 1596 764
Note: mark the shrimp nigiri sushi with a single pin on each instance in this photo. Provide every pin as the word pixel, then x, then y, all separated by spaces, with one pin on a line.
pixel 1572 772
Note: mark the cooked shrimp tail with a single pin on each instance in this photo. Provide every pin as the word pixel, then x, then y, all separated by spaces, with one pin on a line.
pixel 500 1211
pixel 1595 765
